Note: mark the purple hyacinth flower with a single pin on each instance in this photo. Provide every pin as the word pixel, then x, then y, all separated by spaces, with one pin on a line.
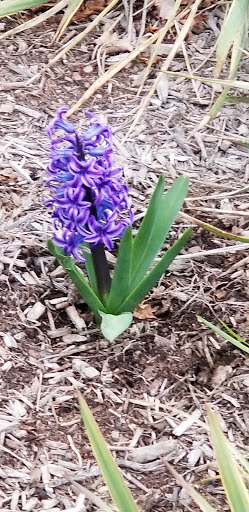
pixel 60 123
pixel 90 203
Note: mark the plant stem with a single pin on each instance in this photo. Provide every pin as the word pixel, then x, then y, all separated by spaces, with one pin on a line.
pixel 101 269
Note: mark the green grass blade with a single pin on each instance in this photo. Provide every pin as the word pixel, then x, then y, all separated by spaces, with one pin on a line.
pixel 155 226
pixel 236 492
pixel 113 478
pixel 8 7
pixel 151 279
pixel 121 278
pixel 76 277
pixel 224 335
pixel 199 500
pixel 239 42
pixel 232 332
pixel 231 28
pixel 242 460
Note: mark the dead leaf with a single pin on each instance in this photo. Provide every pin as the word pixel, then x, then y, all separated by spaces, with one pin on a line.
pixel 143 312
pixel 89 8
pixel 221 294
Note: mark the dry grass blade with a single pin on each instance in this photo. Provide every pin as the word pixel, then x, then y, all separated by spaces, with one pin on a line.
pixel 93 497
pixel 72 8
pixel 167 63
pixel 74 41
pixel 237 84
pixel 112 72
pixel 35 21
pixel 201 502
pixel 212 229
pixel 159 40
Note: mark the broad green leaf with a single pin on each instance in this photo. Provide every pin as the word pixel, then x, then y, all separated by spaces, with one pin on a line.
pixel 224 335
pixel 231 29
pixel 113 325
pixel 72 8
pixel 155 227
pixel 76 277
pixel 236 492
pixel 8 7
pixel 151 279
pixel 121 277
pixel 113 478
pixel 90 268
pixel 201 502
pixel 147 225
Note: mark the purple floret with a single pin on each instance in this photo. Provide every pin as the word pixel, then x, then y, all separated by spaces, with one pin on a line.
pixel 90 203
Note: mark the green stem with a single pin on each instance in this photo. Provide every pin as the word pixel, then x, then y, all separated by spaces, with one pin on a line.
pixel 101 270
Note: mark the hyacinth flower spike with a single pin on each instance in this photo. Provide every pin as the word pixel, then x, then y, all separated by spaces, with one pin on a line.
pixel 89 207
pixel 91 211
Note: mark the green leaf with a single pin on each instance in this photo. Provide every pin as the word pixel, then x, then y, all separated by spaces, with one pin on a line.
pixel 90 268
pixel 76 277
pixel 233 333
pixel 113 325
pixel 231 31
pixel 113 478
pixel 233 34
pixel 234 485
pixel 224 335
pixel 151 279
pixel 156 224
pixel 8 7
pixel 121 277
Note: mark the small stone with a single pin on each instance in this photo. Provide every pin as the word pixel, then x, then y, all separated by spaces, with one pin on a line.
pixel 77 76
pixel 220 375
pixel 6 366
pixel 88 69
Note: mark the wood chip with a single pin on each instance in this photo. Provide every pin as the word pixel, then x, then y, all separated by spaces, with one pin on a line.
pixel 152 452
pixel 37 310
pixel 84 369
pixel 186 424
pixel 76 318
pixel 9 340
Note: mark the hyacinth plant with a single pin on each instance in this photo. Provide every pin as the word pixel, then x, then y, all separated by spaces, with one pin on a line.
pixel 91 211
